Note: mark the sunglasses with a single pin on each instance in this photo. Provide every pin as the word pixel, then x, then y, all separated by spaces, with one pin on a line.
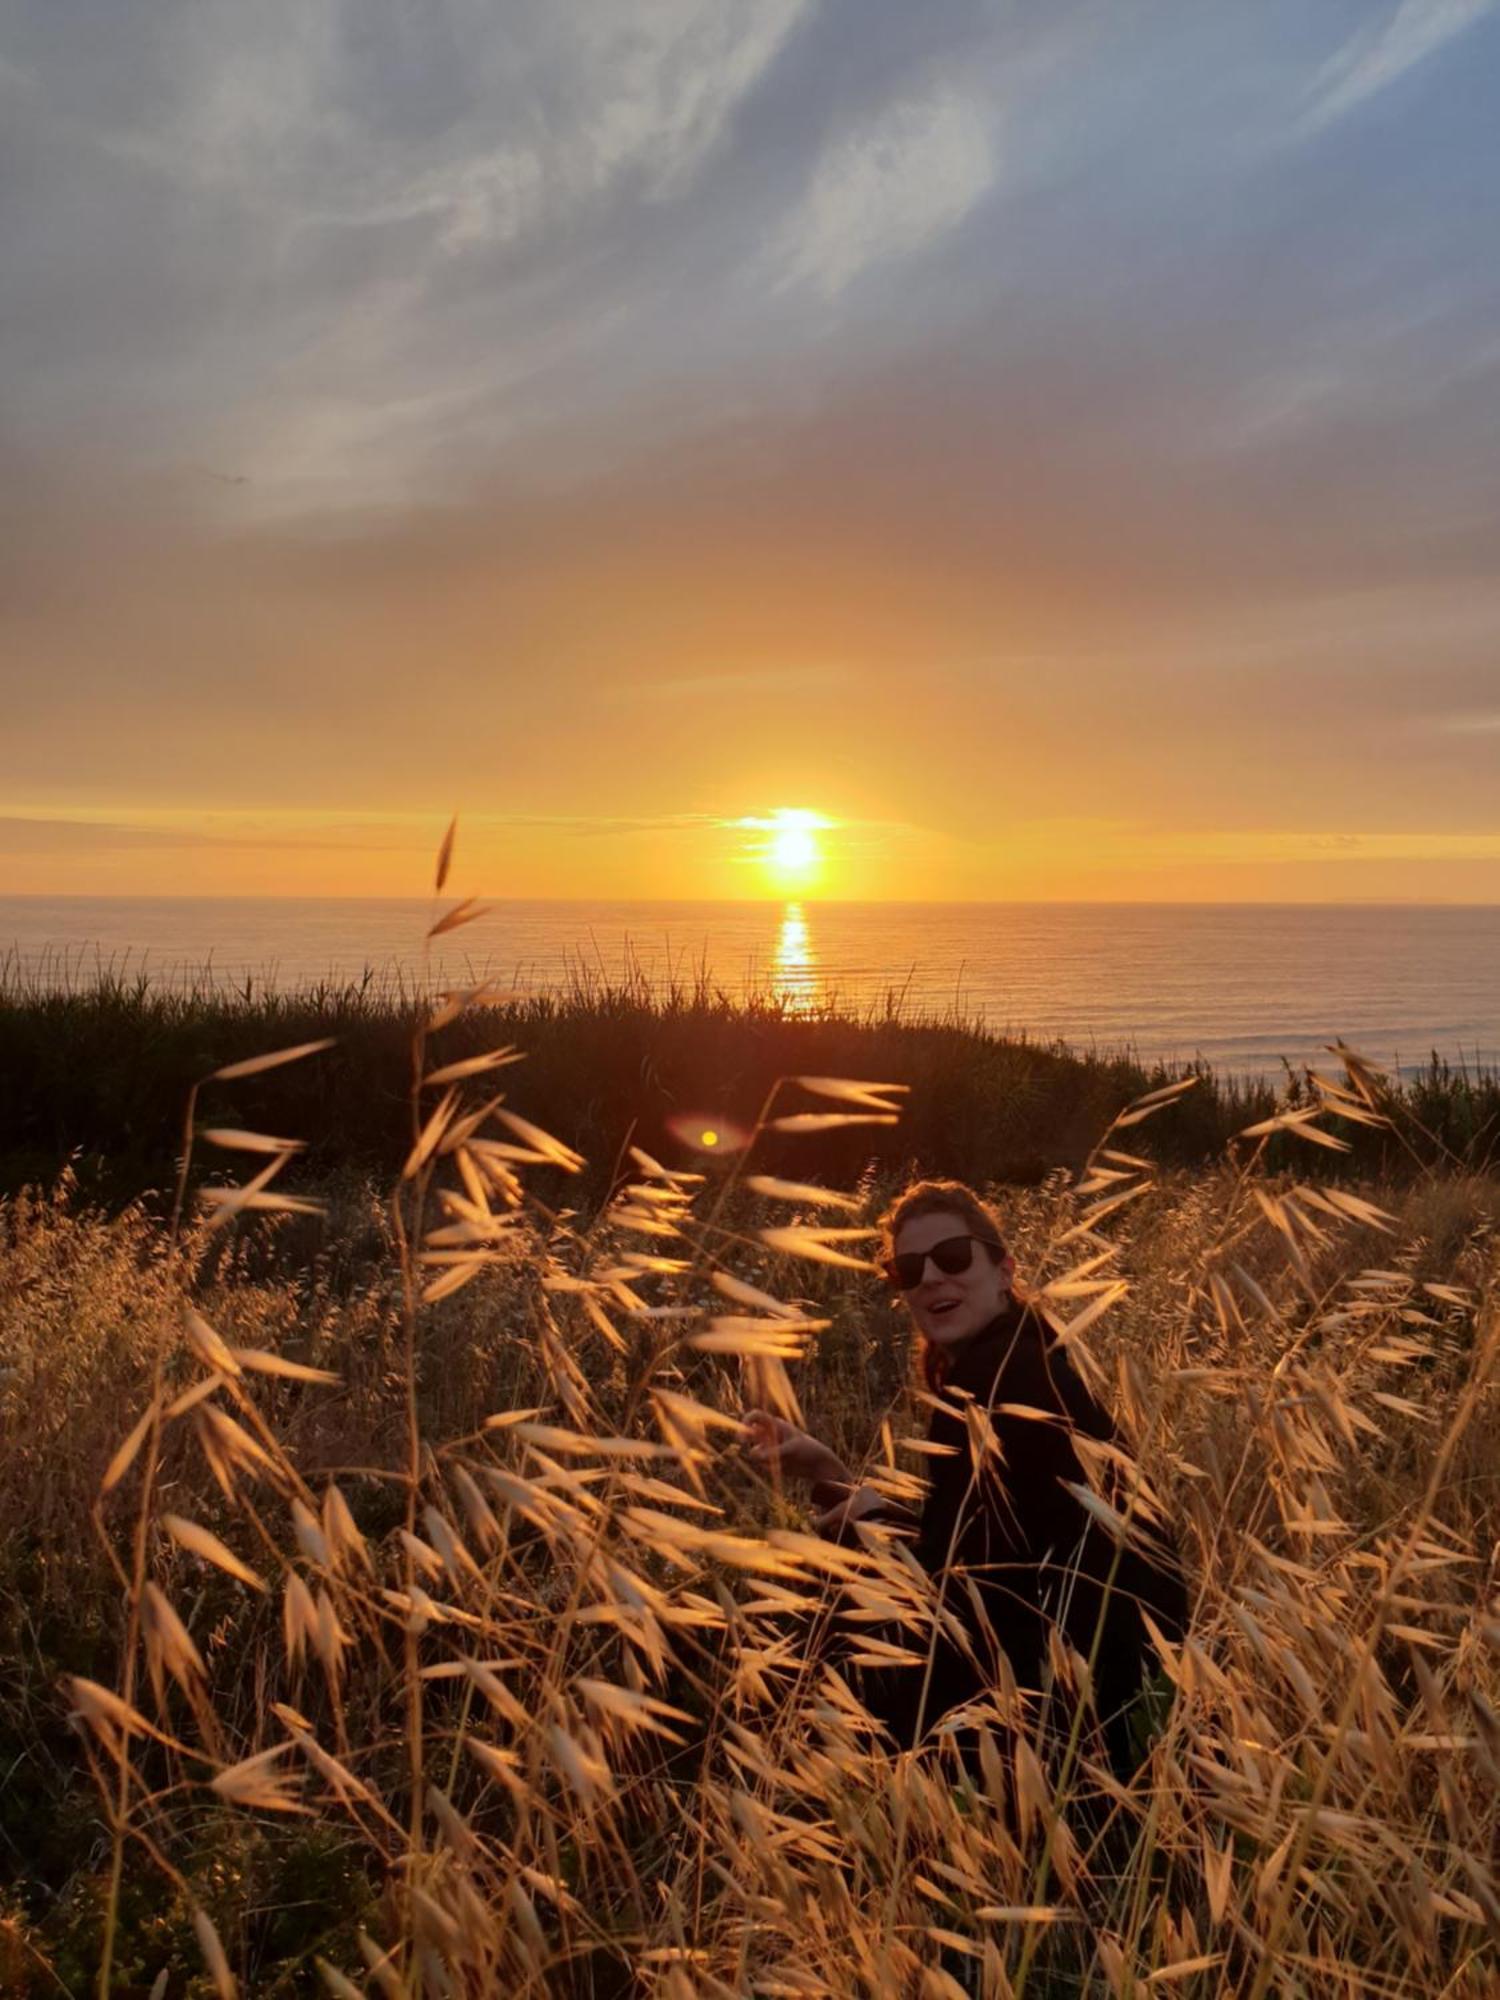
pixel 952 1255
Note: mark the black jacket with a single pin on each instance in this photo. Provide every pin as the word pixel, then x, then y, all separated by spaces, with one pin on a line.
pixel 1035 1553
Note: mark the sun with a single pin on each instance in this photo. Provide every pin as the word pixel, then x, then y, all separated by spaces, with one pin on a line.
pixel 789 849
pixel 793 848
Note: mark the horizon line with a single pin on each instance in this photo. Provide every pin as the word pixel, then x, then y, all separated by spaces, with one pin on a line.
pixel 786 901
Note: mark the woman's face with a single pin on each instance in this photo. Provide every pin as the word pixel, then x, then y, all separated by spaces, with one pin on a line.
pixel 950 1309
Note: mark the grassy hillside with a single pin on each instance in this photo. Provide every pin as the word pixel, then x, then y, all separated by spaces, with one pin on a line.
pixel 98 1077
pixel 410 1621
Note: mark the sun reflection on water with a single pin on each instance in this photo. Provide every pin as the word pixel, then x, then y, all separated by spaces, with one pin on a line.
pixel 794 970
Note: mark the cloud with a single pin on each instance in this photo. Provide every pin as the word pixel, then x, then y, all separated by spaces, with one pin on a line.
pixel 1376 57
pixel 734 686
pixel 594 826
pixel 332 247
pixel 338 111
pixel 640 97
pixel 24 834
pixel 886 189
pixel 304 831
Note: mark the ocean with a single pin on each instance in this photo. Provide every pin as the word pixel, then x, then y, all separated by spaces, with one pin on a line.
pixel 1247 986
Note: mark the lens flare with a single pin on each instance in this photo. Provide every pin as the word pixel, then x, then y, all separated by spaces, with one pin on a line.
pixel 705 1132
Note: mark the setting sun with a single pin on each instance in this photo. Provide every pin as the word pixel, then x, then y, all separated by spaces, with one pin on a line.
pixel 794 849
pixel 789 850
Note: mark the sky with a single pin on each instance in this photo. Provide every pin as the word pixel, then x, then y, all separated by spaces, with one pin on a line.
pixel 1052 447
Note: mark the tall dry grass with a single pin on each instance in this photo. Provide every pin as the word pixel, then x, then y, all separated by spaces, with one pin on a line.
pixel 438 1635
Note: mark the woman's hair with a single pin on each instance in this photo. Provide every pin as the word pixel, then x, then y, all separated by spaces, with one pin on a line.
pixel 939 1197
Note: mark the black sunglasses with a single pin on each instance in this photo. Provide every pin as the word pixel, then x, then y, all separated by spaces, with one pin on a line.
pixel 952 1255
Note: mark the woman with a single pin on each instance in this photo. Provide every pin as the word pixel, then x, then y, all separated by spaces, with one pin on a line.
pixel 1002 1517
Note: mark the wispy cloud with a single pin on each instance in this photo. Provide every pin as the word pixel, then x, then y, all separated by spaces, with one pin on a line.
pixel 585 99
pixel 640 98
pixel 1481 723
pixel 20 834
pixel 1378 56
pixel 23 834
pixel 734 685
pixel 433 218
pixel 886 189
pixel 299 830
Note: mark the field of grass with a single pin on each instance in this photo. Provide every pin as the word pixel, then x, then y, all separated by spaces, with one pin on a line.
pixel 389 1608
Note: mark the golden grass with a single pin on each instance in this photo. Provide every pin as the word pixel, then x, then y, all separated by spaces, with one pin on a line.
pixel 465 1574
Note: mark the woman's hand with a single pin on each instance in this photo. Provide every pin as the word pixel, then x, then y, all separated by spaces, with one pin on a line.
pixel 851 1508
pixel 783 1448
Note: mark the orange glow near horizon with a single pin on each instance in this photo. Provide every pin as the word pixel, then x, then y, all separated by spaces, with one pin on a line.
pixel 792 855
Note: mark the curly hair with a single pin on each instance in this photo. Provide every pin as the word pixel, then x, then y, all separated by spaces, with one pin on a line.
pixel 943 1197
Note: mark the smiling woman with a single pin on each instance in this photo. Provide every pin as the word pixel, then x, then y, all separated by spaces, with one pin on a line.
pixel 1011 1532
